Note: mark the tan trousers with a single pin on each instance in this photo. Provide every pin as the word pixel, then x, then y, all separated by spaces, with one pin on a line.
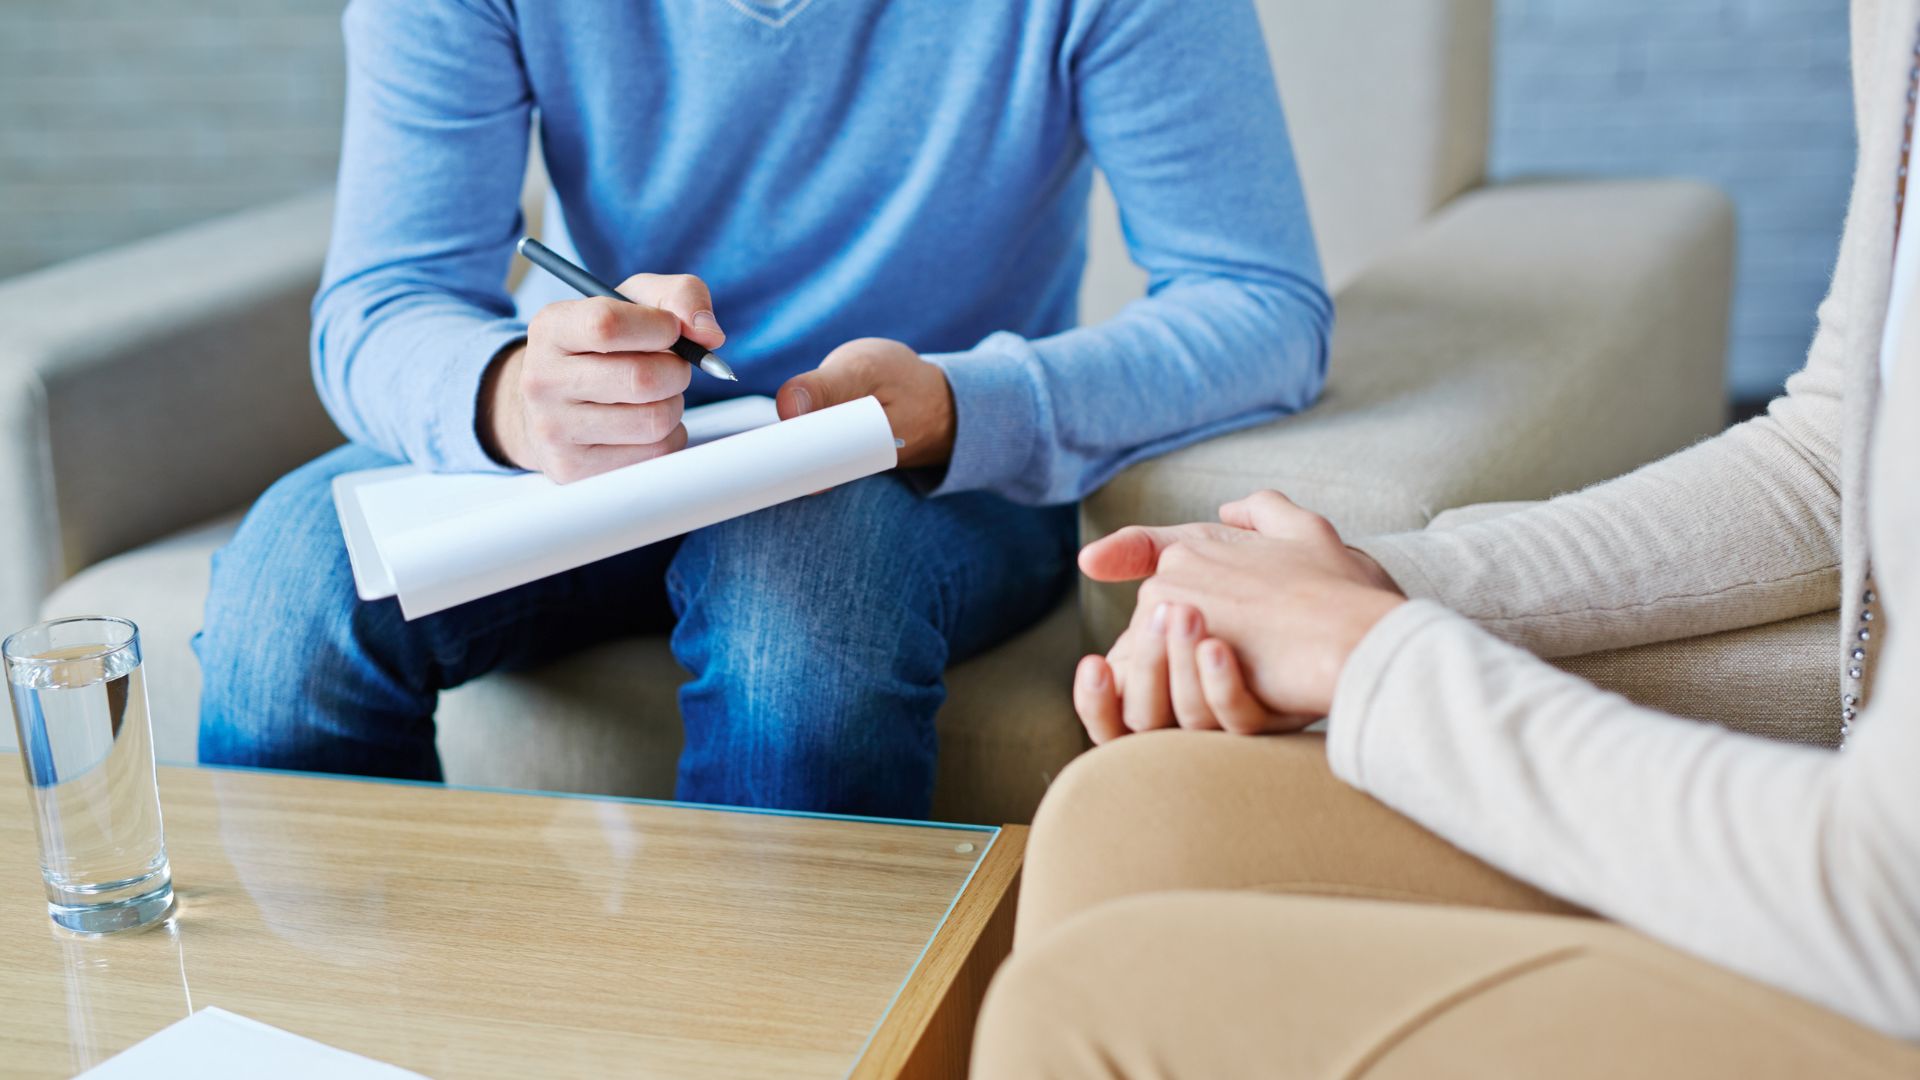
pixel 1210 906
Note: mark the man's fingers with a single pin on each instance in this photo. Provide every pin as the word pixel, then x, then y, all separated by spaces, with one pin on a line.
pixel 1127 555
pixel 806 392
pixel 570 463
pixel 1225 688
pixel 1146 706
pixel 686 297
pixel 1185 628
pixel 599 325
pixel 590 424
pixel 1097 700
pixel 611 379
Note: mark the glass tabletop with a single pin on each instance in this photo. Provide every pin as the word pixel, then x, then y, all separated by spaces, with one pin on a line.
pixel 474 932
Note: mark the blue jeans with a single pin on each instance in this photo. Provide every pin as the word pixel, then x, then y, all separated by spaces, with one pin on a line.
pixel 817 633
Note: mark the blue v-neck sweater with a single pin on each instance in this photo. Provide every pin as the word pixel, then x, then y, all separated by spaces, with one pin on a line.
pixel 835 169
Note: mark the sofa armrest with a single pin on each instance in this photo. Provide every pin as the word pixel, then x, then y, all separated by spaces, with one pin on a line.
pixel 1781 680
pixel 151 387
pixel 1530 339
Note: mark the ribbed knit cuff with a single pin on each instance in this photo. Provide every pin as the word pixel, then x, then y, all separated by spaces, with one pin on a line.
pixel 1396 554
pixel 1369 666
pixel 996 415
pixel 453 433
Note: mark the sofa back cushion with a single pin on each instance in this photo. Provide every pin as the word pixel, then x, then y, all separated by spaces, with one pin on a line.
pixel 1388 105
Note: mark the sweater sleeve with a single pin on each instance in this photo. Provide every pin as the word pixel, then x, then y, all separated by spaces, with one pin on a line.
pixel 1792 865
pixel 413 303
pixel 1622 563
pixel 1234 328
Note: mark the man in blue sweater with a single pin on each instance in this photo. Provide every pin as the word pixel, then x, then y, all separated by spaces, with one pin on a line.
pixel 881 197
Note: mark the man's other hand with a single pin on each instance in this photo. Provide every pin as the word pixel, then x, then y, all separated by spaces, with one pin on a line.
pixel 915 394
pixel 594 388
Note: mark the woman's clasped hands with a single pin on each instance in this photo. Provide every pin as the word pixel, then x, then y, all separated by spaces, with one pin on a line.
pixel 1243 626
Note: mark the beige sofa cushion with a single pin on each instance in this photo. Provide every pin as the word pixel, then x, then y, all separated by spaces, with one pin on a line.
pixel 1504 351
pixel 1780 680
pixel 1387 104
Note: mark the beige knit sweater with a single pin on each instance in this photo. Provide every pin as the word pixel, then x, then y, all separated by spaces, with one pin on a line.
pixel 1799 867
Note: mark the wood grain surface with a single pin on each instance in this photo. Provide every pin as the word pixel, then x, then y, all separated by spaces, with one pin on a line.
pixel 470 933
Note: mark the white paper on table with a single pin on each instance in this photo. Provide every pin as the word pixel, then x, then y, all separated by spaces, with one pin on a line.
pixel 437 541
pixel 214 1044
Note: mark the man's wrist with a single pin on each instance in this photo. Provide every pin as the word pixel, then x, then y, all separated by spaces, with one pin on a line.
pixel 945 425
pixel 500 422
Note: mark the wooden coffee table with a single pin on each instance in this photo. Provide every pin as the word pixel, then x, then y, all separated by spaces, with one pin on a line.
pixel 485 933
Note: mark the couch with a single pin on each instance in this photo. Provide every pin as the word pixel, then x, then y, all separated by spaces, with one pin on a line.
pixel 1494 342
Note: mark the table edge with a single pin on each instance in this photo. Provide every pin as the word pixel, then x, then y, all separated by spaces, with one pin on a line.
pixel 928 991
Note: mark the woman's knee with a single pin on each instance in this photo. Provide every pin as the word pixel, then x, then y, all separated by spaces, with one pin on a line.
pixel 1170 810
pixel 1114 989
pixel 1188 810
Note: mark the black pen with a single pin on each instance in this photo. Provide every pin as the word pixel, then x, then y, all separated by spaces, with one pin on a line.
pixel 586 284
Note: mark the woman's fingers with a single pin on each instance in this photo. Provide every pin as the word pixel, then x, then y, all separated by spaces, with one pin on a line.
pixel 1096 700
pixel 1225 688
pixel 1272 514
pixel 1127 555
pixel 1145 706
pixel 1185 628
pixel 1117 659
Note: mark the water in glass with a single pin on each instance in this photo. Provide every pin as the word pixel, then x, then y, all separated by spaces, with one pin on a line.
pixel 80 705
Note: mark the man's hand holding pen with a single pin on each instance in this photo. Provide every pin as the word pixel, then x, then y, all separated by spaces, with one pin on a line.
pixel 594 387
pixel 599 382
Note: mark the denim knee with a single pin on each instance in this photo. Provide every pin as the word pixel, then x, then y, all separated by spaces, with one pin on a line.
pixel 284 645
pixel 816 656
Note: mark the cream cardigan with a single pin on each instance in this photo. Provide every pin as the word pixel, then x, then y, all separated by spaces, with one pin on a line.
pixel 1796 866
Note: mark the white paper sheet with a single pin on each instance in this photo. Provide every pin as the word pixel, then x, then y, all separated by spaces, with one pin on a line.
pixel 436 541
pixel 214 1044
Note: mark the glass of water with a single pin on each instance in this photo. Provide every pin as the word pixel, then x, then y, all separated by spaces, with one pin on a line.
pixel 85 738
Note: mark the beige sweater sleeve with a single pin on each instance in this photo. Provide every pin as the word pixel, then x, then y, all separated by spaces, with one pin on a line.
pixel 1795 866
pixel 1621 563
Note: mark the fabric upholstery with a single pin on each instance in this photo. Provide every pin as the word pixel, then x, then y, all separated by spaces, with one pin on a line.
pixel 1387 103
pixel 1777 679
pixel 179 397
pixel 1506 351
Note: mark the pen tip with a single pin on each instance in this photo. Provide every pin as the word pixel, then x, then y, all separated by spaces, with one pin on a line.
pixel 718 368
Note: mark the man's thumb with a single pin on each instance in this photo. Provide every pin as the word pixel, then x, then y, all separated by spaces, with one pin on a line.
pixel 805 393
